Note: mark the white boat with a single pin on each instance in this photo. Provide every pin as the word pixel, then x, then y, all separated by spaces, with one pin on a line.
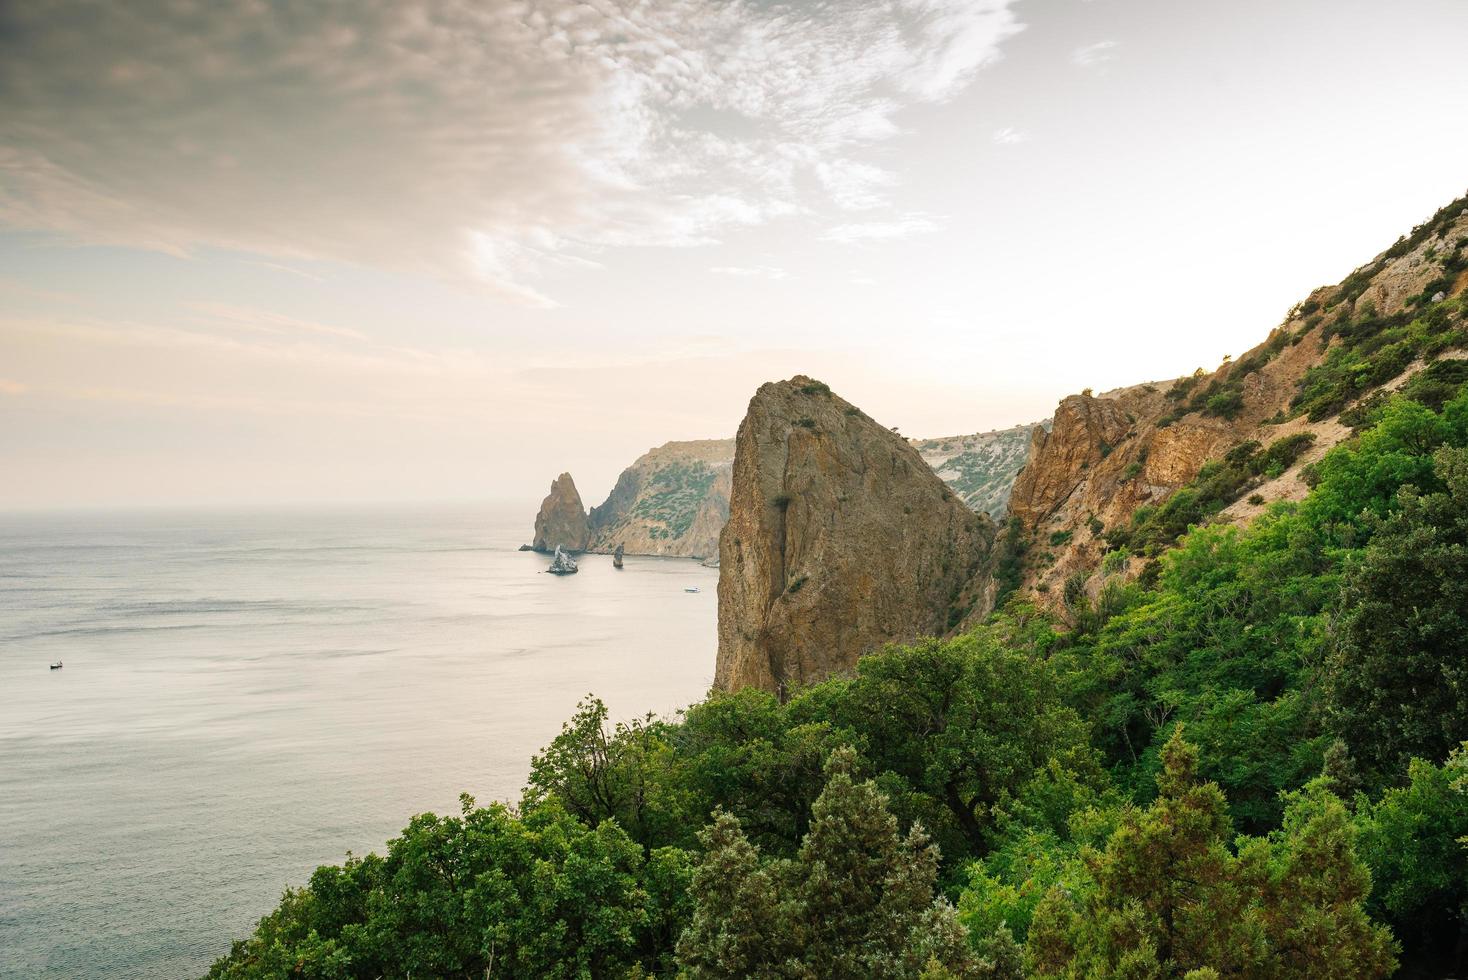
pixel 691 588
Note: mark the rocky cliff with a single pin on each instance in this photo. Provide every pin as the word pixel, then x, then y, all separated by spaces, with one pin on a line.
pixel 980 468
pixel 840 539
pixel 1105 476
pixel 672 501
pixel 561 521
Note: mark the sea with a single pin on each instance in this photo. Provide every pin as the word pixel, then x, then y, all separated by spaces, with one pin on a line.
pixel 247 695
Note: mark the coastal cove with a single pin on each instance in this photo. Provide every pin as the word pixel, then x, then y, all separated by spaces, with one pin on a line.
pixel 248 695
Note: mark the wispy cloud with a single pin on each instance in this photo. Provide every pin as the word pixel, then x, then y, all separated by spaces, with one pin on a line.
pixel 868 231
pixel 1008 136
pixel 751 271
pixel 454 139
pixel 1091 55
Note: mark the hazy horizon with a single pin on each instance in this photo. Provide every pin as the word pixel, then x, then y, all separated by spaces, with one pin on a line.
pixel 441 251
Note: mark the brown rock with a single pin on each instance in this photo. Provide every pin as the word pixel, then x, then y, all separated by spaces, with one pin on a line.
pixel 1083 433
pixel 840 539
pixel 562 519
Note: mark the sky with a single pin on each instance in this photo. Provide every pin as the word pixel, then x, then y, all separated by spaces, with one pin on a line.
pixel 263 253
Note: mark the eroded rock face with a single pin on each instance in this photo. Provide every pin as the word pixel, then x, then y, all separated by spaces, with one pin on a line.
pixel 561 522
pixel 840 539
pixel 1083 433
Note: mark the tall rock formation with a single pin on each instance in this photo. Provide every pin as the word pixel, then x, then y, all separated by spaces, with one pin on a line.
pixel 561 521
pixel 840 539
pixel 672 501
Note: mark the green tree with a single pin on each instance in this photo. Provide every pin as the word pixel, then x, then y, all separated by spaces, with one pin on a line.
pixel 1415 838
pixel 966 723
pixel 1396 679
pixel 600 772
pixel 1167 898
pixel 484 892
pixel 856 900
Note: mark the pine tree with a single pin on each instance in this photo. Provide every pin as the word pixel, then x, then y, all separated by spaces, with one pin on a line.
pixel 1168 898
pixel 857 899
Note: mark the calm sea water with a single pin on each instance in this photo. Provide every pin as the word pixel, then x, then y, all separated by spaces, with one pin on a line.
pixel 246 696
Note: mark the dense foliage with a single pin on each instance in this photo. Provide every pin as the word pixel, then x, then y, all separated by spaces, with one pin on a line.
pixel 1246 764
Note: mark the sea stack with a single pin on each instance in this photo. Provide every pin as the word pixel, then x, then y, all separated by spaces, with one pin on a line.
pixel 840 539
pixel 617 557
pixel 563 564
pixel 561 522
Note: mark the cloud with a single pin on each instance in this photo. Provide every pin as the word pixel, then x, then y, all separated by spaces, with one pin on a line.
pixel 751 271
pixel 1090 55
pixel 1008 136
pixel 867 231
pixel 462 139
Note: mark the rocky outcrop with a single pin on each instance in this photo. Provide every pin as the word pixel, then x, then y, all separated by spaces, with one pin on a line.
pixel 981 468
pixel 562 564
pixel 617 557
pixel 1083 433
pixel 672 501
pixel 561 522
pixel 840 539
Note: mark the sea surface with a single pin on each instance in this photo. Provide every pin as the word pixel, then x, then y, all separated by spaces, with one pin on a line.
pixel 245 696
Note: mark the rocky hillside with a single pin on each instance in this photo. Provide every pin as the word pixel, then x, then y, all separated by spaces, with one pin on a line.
pixel 561 521
pixel 673 500
pixel 1120 475
pixel 840 539
pixel 980 468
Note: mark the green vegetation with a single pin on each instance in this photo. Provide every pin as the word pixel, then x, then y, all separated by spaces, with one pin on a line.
pixel 673 495
pixel 1249 763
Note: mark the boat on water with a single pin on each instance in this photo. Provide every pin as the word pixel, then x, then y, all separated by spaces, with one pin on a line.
pixel 690 588
pixel 56 665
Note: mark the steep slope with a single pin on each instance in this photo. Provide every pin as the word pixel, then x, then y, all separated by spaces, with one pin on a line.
pixel 980 468
pixel 673 500
pixel 1108 474
pixel 840 539
pixel 561 520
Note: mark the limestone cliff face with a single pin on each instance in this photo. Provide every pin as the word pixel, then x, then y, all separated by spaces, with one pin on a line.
pixel 1108 455
pixel 672 501
pixel 840 539
pixel 561 521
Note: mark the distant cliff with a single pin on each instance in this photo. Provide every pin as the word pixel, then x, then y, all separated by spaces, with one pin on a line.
pixel 673 501
pixel 561 521
pixel 840 539
pixel 980 468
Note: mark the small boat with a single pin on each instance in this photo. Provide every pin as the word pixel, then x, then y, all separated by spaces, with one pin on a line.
pixel 56 665
pixel 690 588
